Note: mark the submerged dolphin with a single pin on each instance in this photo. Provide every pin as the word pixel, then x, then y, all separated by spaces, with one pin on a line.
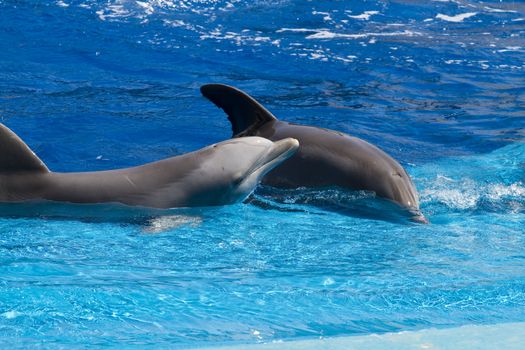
pixel 223 173
pixel 325 157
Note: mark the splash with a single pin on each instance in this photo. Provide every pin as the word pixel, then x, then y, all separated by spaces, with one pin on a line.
pixel 471 194
pixel 491 182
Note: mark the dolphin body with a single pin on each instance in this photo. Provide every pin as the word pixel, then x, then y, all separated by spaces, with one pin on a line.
pixel 325 157
pixel 219 174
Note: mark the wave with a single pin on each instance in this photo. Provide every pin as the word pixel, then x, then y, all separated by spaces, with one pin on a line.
pixel 492 182
pixel 469 194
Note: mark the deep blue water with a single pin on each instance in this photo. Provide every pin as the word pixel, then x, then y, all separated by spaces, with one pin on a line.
pixel 439 85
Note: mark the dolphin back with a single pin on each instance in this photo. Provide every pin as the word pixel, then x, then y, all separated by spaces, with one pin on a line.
pixel 244 112
pixel 16 156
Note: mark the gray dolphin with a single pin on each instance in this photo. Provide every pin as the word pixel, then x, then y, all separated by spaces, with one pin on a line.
pixel 325 157
pixel 222 173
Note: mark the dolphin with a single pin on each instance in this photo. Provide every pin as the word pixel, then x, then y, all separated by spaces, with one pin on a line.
pixel 219 174
pixel 325 157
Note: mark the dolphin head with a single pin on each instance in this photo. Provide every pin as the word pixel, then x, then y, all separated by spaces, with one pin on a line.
pixel 396 185
pixel 235 167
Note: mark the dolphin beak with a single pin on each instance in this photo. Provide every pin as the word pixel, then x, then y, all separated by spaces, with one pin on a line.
pixel 284 149
pixel 280 151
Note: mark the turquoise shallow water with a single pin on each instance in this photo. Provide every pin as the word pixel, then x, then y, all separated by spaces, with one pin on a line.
pixel 105 84
pixel 501 336
pixel 241 273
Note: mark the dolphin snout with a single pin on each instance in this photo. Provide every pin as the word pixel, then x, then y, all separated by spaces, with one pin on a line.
pixel 279 152
pixel 286 147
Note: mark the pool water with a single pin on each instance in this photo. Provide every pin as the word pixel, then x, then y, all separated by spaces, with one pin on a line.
pixel 94 85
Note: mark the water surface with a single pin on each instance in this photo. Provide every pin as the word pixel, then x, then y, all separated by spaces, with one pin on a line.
pixel 93 85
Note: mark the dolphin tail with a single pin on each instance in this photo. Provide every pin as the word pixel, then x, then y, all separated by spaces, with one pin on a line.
pixel 244 112
pixel 16 156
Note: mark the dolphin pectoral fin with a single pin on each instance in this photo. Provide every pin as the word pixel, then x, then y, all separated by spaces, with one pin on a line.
pixel 16 156
pixel 244 112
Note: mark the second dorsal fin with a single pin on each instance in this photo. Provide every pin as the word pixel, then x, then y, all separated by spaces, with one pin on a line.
pixel 244 112
pixel 16 156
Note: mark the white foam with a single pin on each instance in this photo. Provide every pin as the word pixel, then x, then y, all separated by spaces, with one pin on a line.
pixel 238 38
pixel 141 9
pixel 318 56
pixel 454 194
pixel 165 223
pixel 347 59
pixel 299 30
pixel 148 8
pixel 456 18
pixel 62 4
pixel 455 198
pixel 511 49
pixel 257 334
pixel 325 34
pixel 113 12
pixel 11 314
pixel 496 192
pixel 174 23
pixel 467 193
pixel 365 15
pixel 326 15
pixel 491 9
pixel 328 281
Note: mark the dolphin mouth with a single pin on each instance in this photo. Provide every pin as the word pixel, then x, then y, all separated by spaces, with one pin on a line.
pixel 280 151
pixel 419 218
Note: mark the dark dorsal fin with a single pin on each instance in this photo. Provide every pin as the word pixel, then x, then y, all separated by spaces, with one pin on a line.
pixel 244 112
pixel 15 155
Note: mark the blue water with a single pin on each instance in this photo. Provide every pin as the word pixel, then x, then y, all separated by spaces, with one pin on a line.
pixel 93 85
